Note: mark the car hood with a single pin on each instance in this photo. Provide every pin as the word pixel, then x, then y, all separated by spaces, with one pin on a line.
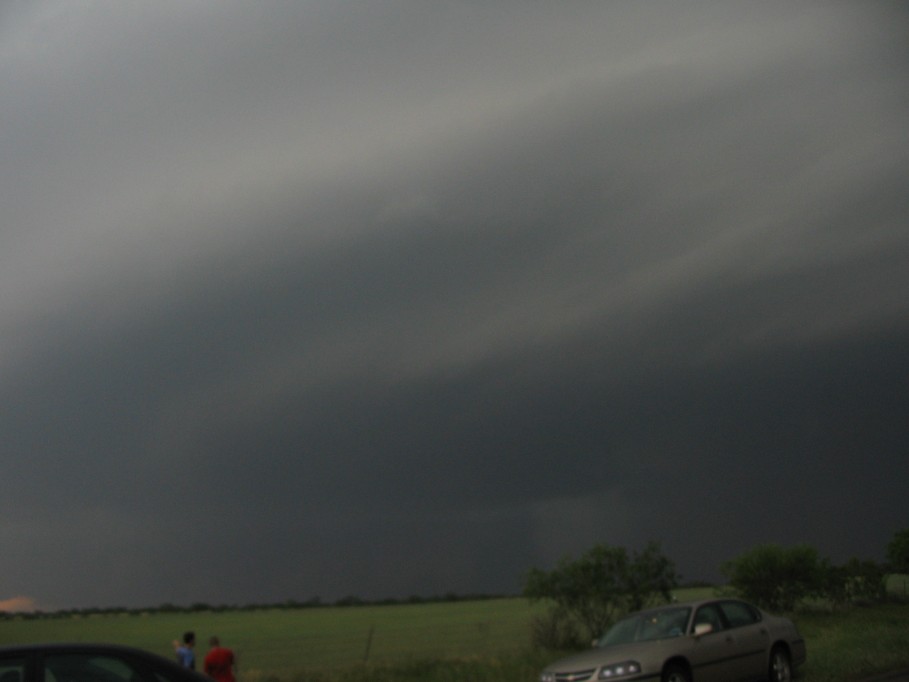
pixel 642 652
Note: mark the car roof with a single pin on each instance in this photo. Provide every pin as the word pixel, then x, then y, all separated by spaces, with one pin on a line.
pixel 45 647
pixel 96 648
pixel 691 603
pixel 149 658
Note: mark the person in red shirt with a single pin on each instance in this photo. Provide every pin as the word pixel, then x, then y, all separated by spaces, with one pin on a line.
pixel 219 662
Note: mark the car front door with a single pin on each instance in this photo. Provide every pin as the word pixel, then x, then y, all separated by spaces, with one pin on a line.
pixel 715 654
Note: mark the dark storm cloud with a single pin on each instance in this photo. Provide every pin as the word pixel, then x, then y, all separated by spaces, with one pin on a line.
pixel 389 299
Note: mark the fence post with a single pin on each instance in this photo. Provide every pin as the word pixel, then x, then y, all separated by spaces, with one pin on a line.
pixel 372 629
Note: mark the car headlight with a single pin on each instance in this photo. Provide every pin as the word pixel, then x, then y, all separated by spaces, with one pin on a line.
pixel 615 670
pixel 547 677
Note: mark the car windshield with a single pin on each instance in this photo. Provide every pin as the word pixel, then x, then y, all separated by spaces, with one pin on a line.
pixel 644 627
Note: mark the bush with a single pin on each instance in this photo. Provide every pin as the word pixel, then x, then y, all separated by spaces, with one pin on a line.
pixel 776 578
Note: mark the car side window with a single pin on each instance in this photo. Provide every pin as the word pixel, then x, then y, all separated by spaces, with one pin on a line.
pixel 739 614
pixel 12 669
pixel 88 668
pixel 709 614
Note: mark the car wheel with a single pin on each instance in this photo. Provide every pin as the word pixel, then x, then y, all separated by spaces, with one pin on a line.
pixel 780 666
pixel 676 673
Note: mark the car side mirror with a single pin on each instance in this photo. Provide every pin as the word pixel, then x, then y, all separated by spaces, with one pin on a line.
pixel 702 629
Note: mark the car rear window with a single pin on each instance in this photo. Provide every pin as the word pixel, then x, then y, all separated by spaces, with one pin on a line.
pixel 88 668
pixel 739 614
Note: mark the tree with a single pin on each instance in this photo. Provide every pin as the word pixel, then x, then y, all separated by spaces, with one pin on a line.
pixel 651 574
pixel 898 552
pixel 602 584
pixel 777 578
pixel 835 584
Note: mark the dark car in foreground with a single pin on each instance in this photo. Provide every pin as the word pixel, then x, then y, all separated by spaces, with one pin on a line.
pixel 89 663
pixel 714 640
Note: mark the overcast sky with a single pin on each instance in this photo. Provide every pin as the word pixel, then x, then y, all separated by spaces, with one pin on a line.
pixel 390 298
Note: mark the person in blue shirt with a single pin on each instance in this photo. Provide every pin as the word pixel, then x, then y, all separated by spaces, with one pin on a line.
pixel 185 655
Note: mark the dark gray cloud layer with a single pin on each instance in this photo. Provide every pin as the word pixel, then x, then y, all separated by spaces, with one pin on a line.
pixel 390 298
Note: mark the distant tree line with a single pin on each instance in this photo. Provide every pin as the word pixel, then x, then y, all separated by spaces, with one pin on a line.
pixel 589 593
pixel 288 604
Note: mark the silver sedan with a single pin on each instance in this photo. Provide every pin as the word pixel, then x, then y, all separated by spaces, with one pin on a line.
pixel 715 640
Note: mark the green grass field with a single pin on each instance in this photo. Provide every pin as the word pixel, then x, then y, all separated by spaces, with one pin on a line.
pixel 452 641
pixel 279 642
